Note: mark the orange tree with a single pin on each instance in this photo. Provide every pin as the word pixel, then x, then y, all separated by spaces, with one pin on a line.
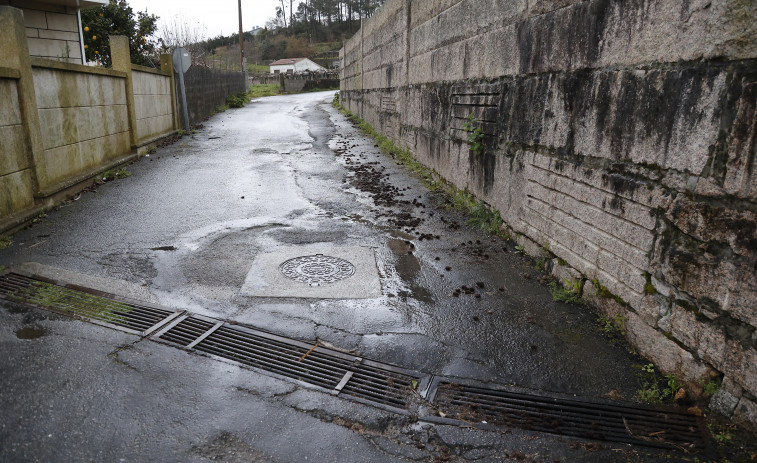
pixel 117 18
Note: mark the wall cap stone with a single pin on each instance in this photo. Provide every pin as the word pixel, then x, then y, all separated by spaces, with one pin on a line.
pixel 73 67
pixel 9 73
pixel 137 67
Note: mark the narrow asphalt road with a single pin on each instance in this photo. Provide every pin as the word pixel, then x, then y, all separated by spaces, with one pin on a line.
pixel 204 225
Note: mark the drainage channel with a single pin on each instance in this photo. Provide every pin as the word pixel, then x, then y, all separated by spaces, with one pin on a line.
pixel 364 380
pixel 338 373
pixel 329 370
pixel 502 406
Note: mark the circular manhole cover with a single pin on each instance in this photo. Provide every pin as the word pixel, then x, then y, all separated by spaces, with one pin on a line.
pixel 318 269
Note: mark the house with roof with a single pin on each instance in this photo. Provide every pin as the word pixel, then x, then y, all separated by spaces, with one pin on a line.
pixel 53 27
pixel 295 66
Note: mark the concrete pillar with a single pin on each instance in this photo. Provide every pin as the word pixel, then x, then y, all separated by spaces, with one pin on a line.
pixel 166 65
pixel 14 56
pixel 121 59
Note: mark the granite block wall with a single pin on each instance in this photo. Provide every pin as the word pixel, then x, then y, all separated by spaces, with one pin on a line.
pixel 619 133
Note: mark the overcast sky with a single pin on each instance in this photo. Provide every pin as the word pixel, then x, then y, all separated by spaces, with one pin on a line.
pixel 218 16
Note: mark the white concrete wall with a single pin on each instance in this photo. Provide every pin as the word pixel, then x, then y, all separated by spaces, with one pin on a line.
pixel 152 101
pixel 84 121
pixel 16 193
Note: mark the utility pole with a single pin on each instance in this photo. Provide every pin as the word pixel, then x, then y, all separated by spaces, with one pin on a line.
pixel 241 39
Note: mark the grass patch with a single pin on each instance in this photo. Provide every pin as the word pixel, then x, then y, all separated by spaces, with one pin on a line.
pixel 649 288
pixel 5 241
pixel 258 69
pixel 237 100
pixel 262 90
pixel 115 174
pixel 63 299
pixel 569 292
pixel 615 326
pixel 710 387
pixel 655 388
pixel 485 219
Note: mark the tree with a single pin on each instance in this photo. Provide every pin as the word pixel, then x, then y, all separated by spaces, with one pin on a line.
pixel 183 33
pixel 117 18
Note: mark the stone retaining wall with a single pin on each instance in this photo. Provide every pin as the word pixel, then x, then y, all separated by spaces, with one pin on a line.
pixel 619 133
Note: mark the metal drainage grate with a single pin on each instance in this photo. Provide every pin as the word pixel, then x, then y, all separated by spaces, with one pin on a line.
pixel 334 371
pixel 662 428
pixel 100 308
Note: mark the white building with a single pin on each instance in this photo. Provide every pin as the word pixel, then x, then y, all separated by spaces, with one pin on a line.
pixel 295 66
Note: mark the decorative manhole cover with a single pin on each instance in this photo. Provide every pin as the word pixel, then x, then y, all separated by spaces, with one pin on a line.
pixel 318 269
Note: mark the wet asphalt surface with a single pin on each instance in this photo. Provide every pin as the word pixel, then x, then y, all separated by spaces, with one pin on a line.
pixel 185 227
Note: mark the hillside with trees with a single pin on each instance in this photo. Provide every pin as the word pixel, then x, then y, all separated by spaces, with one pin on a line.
pixel 313 29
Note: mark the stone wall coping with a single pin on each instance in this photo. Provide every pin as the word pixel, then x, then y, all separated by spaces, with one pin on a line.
pixel 137 67
pixel 9 73
pixel 72 67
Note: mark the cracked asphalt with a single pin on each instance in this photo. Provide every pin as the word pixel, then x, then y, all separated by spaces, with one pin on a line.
pixel 183 231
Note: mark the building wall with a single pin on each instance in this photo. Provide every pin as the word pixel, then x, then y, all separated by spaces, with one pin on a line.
pixel 16 188
pixel 619 133
pixel 84 119
pixel 152 101
pixel 52 30
pixel 300 66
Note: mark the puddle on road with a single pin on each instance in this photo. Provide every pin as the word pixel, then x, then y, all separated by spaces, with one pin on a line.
pixel 29 333
pixel 407 266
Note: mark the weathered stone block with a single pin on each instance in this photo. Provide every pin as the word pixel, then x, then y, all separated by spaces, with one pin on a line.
pixel 666 354
pixel 62 22
pixel 746 411
pixel 59 35
pixel 723 403
pixel 14 150
pixel 708 342
pixel 16 192
pixel 740 365
pixel 49 48
pixel 706 222
pixel 564 273
pixel 740 175
pixel 35 19
pixel 693 268
pixel 10 111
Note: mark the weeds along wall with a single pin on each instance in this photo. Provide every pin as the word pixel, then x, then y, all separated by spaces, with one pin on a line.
pixel 619 133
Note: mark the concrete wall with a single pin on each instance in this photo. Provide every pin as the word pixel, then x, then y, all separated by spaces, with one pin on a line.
pixel 153 103
pixel 84 121
pixel 52 30
pixel 620 133
pixel 16 190
pixel 304 85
